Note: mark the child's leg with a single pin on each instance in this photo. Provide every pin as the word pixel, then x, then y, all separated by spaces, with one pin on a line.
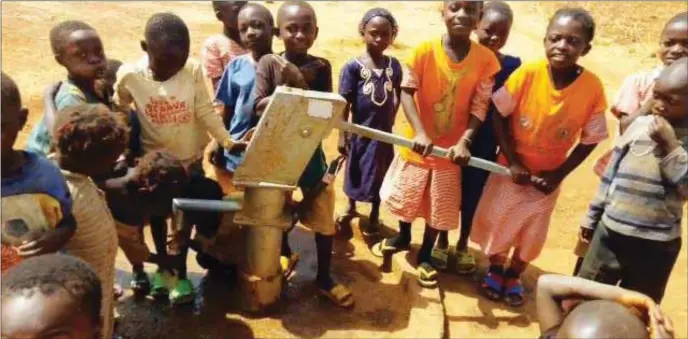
pixel 429 239
pixel 323 245
pixel 351 208
pixel 579 263
pixel 375 212
pixel 493 282
pixel 403 239
pixel 513 289
pixel 440 254
pixel 159 231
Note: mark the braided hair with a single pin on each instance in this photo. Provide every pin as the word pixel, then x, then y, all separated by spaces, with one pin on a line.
pixel 378 12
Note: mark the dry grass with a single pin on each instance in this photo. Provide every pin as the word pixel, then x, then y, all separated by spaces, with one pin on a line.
pixel 627 23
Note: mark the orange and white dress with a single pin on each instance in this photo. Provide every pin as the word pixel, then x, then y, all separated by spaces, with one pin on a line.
pixel 447 93
pixel 545 124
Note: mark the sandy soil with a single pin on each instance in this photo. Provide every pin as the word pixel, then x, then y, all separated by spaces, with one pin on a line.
pixel 26 57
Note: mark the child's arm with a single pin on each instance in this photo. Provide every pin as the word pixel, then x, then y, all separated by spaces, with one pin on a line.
pixel 673 155
pixel 422 144
pixel 49 106
pixel 553 289
pixel 51 241
pixel 266 81
pixel 519 173
pixel 460 153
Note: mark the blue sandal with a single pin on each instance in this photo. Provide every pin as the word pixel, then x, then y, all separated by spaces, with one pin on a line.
pixel 513 292
pixel 492 285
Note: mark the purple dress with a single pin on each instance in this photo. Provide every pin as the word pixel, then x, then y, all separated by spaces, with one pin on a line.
pixel 374 98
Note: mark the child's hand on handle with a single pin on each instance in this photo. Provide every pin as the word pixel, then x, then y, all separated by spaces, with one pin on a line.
pixel 238 146
pixel 460 153
pixel 519 174
pixel 547 182
pixel 663 134
pixel 422 145
pixel 50 242
pixel 585 234
pixel 342 144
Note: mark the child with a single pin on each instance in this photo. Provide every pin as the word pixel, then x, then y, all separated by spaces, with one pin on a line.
pixel 636 92
pixel 606 311
pixel 175 113
pixel 371 85
pixel 219 50
pixel 493 32
pixel 636 215
pixel 235 89
pixel 298 28
pixel 33 189
pixel 51 294
pixel 147 189
pixel 78 48
pixel 452 79
pixel 637 88
pixel 88 140
pixel 545 106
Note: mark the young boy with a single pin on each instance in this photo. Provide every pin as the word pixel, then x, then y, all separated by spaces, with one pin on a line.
pixel 33 190
pixel 78 48
pixel 235 89
pixel 147 189
pixel 175 113
pixel 298 29
pixel 88 140
pixel 605 312
pixel 636 215
pixel 51 296
pixel 219 50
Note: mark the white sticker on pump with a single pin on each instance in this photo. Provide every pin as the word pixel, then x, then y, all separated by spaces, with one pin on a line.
pixel 320 109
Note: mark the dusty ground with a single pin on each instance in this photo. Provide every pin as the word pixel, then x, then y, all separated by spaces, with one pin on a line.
pixel 624 45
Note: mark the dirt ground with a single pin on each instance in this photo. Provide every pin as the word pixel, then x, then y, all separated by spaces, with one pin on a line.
pixel 624 45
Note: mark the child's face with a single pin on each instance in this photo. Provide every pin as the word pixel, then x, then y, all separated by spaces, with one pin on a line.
pixel 166 58
pixel 378 34
pixel 670 103
pixel 566 41
pixel 38 316
pixel 461 17
pixel 13 120
pixel 674 43
pixel 228 12
pixel 298 29
pixel 255 30
pixel 83 55
pixel 493 30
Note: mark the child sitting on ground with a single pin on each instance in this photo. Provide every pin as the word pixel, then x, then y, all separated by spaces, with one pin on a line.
pixel 493 33
pixel 445 96
pixel 88 140
pixel 175 113
pixel 634 221
pixel 33 191
pixel 220 49
pixel 371 85
pixel 147 189
pixel 298 28
pixel 78 48
pixel 635 93
pixel 56 294
pixel 235 89
pixel 606 312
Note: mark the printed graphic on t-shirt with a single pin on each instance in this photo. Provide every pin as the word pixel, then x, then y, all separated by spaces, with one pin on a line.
pixel 167 111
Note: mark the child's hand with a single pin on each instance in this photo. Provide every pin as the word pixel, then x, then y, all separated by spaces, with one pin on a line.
pixel 292 76
pixel 49 242
pixel 240 145
pixel 547 182
pixel 310 70
pixel 519 174
pixel 460 153
pixel 663 134
pixel 660 325
pixel 585 234
pixel 342 144
pixel 422 145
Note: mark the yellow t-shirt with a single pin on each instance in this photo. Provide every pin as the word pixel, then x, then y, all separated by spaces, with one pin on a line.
pixel 444 92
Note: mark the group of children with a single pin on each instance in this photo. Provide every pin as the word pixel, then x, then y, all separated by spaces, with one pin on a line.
pixel 140 131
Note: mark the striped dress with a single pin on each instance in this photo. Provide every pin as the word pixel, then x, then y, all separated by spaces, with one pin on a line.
pixel 95 240
pixel 546 123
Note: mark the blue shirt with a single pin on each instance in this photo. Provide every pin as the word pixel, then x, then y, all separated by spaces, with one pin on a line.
pixel 235 91
pixel 39 175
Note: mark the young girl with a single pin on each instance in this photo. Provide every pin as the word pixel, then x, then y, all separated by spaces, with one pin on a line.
pixel 452 79
pixel 636 92
pixel 52 294
pixel 88 140
pixel 371 85
pixel 493 32
pixel 545 105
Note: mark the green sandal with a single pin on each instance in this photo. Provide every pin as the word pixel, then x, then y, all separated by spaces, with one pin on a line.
pixel 159 285
pixel 465 263
pixel 140 283
pixel 427 275
pixel 183 292
pixel 383 246
pixel 440 258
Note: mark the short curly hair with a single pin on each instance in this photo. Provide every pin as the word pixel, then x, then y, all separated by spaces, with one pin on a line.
pixel 88 133
pixel 378 12
pixel 579 14
pixel 61 32
pixel 47 274
pixel 10 93
pixel 161 176
pixel 167 28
